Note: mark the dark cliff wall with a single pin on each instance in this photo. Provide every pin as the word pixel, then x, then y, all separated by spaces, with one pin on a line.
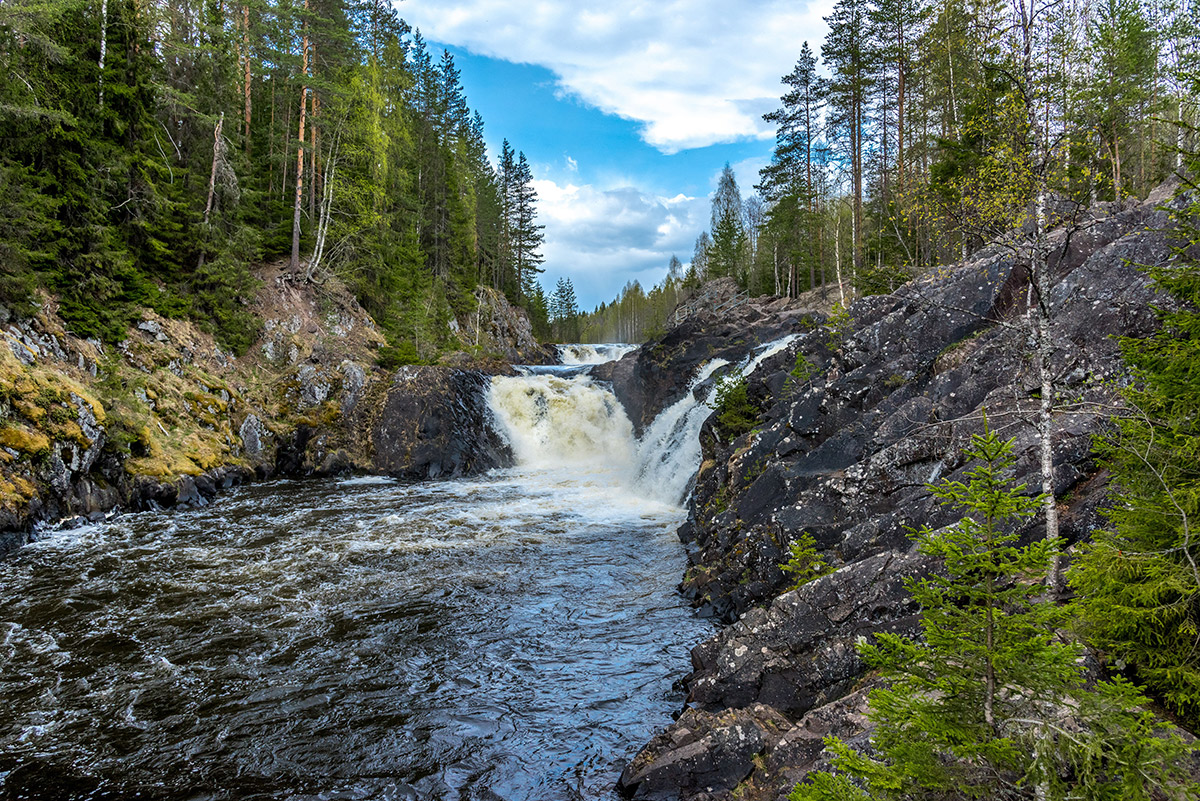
pixel 845 456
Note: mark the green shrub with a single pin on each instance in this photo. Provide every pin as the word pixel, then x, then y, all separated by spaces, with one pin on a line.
pixel 977 701
pixel 804 563
pixel 802 371
pixel 735 413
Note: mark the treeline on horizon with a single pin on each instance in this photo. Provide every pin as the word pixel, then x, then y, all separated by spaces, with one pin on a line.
pixel 906 143
pixel 154 153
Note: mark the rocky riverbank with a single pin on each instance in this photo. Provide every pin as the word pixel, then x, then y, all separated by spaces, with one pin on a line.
pixel 856 417
pixel 167 417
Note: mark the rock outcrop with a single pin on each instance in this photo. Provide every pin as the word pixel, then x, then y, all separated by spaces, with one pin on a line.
pixel 651 378
pixel 857 416
pixel 167 417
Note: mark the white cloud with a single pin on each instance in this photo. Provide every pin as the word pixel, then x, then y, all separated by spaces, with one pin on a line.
pixel 692 72
pixel 604 238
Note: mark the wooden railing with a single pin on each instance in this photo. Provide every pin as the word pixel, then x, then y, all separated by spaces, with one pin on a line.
pixel 694 305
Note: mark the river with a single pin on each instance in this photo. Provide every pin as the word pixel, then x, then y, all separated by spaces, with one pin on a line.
pixel 511 636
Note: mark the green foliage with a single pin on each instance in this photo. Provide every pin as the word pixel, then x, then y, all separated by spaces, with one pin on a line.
pixel 157 174
pixel 838 326
pixel 978 702
pixel 735 413
pixel 636 315
pixel 1138 578
pixel 804 563
pixel 390 357
pixel 800 374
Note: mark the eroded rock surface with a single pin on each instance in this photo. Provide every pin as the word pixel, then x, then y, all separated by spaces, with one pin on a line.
pixel 887 404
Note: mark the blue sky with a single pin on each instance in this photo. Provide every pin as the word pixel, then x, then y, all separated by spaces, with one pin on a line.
pixel 626 110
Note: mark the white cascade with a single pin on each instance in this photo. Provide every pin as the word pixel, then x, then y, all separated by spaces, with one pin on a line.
pixel 553 421
pixel 668 456
pixel 592 354
pixel 558 421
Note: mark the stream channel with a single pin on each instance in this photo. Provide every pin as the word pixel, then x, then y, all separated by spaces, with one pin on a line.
pixel 510 636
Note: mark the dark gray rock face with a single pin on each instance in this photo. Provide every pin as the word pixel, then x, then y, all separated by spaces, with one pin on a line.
pixel 434 424
pixel 799 652
pixel 845 456
pixel 892 401
pixel 651 378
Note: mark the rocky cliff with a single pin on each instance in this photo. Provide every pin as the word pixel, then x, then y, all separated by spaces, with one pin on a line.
pixel 857 416
pixel 168 417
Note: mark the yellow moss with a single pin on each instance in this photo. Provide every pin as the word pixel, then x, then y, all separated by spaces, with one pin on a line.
pixel 30 411
pixel 70 430
pixel 158 468
pixel 146 438
pixel 20 438
pixel 25 489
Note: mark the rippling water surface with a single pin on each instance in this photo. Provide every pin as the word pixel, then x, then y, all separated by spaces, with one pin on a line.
pixel 509 637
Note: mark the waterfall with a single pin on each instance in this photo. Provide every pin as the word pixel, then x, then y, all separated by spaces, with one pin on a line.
pixel 551 421
pixel 592 354
pixel 668 456
pixel 555 420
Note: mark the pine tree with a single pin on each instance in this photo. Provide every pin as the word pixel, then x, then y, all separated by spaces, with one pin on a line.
pixel 1123 52
pixel 526 236
pixel 564 311
pixel 846 54
pixel 788 183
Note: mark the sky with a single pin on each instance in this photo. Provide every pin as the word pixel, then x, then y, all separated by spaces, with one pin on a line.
pixel 627 111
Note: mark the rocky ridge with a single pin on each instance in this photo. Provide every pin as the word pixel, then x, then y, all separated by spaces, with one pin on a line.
pixel 167 417
pixel 857 416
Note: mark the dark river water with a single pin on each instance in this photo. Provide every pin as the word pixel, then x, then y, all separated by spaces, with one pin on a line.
pixel 513 637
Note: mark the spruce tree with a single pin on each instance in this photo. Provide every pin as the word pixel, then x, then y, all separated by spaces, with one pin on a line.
pixel 976 706
pixel 1138 578
pixel 726 256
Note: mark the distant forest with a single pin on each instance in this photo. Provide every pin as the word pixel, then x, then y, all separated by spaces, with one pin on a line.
pixel 924 129
pixel 154 152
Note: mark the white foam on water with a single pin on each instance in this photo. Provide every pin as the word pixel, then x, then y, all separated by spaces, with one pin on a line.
pixel 567 431
pixel 592 354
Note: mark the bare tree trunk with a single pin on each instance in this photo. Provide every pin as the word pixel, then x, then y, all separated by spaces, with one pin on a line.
pixel 989 688
pixel 900 116
pixel 323 220
pixel 271 143
pixel 294 265
pixel 246 90
pixel 1116 151
pixel 315 149
pixel 1045 351
pixel 212 177
pixel 1040 276
pixel 775 260
pixel 837 254
pixel 950 65
pixel 103 45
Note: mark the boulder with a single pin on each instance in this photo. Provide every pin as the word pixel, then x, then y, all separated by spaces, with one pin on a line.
pixel 434 424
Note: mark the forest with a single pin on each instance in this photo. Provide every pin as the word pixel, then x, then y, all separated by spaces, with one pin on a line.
pixel 920 130
pixel 155 152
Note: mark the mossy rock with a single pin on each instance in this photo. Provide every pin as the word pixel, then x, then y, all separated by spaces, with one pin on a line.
pixel 24 440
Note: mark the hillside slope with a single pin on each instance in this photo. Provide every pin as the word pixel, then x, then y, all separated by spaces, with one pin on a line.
pixel 168 417
pixel 892 395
